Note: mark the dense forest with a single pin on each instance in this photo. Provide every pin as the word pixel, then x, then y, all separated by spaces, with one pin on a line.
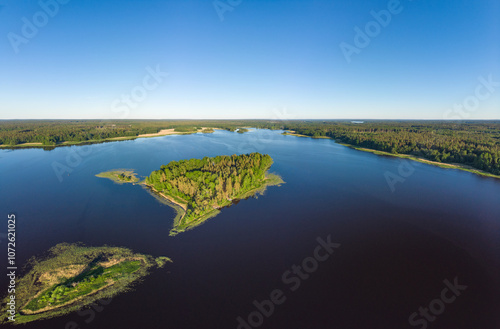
pixel 55 132
pixel 207 184
pixel 473 143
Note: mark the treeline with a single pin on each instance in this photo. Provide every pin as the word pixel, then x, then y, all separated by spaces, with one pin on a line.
pixel 472 143
pixel 210 183
pixel 55 132
pixel 476 144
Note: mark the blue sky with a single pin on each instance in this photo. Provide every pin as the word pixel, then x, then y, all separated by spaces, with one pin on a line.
pixel 249 59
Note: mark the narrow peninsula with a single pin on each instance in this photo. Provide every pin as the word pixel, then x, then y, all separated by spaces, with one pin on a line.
pixel 72 277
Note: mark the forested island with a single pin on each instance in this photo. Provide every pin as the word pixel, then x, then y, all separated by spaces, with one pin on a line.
pixel 198 188
pixel 463 144
pixel 72 276
pixel 201 187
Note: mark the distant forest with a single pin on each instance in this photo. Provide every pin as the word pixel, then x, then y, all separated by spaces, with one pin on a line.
pixel 476 144
pixel 55 132
pixel 473 143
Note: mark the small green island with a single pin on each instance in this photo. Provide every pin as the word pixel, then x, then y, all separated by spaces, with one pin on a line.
pixel 72 277
pixel 198 188
pixel 120 176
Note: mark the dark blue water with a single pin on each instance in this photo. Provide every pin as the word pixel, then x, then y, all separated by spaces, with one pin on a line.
pixel 397 246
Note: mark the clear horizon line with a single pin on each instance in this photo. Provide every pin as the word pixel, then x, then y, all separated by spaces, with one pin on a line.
pixel 246 119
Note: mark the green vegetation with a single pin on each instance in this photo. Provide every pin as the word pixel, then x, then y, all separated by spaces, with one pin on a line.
pixel 48 132
pixel 120 176
pixel 73 276
pixel 92 279
pixel 242 130
pixel 422 160
pixel 186 129
pixel 472 145
pixel 52 133
pixel 161 261
pixel 469 144
pixel 200 187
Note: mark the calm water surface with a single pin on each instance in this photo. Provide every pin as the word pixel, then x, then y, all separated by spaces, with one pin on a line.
pixel 396 247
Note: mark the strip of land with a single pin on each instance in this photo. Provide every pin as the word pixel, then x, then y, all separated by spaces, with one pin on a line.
pixel 457 166
pixel 181 204
pixel 162 132
pixel 165 132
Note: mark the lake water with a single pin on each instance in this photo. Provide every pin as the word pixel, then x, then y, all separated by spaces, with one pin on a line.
pixel 397 246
